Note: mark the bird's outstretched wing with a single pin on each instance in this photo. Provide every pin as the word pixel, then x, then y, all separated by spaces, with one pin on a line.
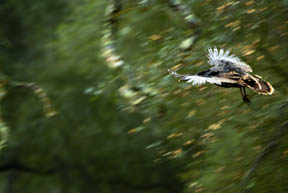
pixel 222 57
pixel 199 80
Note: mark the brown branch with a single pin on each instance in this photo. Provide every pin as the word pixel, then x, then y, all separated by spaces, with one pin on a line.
pixel 40 93
pixel 189 18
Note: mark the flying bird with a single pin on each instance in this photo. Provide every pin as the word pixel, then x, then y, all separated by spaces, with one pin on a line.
pixel 228 71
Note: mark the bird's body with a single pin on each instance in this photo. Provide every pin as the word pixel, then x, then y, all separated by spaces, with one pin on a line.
pixel 228 71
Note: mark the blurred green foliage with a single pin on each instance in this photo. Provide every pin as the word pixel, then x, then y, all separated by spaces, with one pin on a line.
pixel 123 123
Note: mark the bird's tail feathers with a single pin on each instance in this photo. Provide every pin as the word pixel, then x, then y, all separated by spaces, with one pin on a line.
pixel 256 84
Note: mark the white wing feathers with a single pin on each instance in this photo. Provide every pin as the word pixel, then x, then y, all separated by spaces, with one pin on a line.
pixel 197 80
pixel 216 57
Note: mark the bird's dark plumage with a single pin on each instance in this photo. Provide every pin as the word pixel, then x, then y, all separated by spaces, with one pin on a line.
pixel 228 71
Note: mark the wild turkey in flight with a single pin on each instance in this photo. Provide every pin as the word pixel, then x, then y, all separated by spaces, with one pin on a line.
pixel 228 71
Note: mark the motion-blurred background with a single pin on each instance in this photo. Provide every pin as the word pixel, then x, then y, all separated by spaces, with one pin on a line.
pixel 123 124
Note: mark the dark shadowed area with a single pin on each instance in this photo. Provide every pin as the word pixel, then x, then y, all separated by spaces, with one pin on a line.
pixel 87 103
